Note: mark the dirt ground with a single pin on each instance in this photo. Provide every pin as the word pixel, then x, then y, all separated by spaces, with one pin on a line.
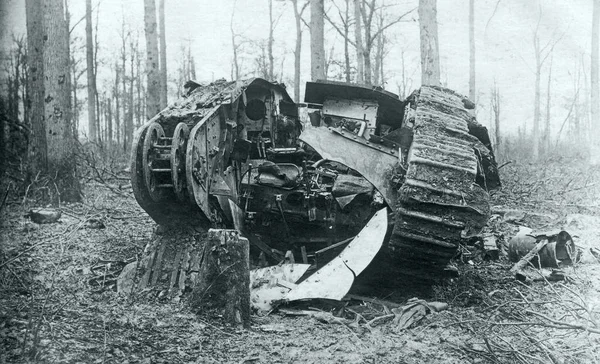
pixel 58 302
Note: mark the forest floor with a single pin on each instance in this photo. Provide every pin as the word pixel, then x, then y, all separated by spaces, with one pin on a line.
pixel 58 301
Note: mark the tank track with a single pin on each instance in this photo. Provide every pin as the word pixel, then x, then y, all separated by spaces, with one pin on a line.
pixel 439 204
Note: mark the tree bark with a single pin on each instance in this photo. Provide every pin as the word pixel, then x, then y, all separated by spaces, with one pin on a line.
pixel 472 90
pixel 124 98
pixel 117 104
pixel 536 100
pixel 163 54
pixel 595 83
pixel 129 120
pixel 546 138
pixel 234 45
pixel 430 59
pixel 317 40
pixel 91 78
pixel 297 50
pixel 38 158
pixel 360 65
pixel 270 42
pixel 109 126
pixel 59 134
pixel 347 42
pixel 379 53
pixel 496 114
pixel 152 61
pixel 223 285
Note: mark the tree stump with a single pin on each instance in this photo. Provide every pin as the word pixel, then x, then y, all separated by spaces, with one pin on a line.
pixel 223 283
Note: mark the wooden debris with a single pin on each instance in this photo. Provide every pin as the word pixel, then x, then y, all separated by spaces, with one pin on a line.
pixel 529 256
pixel 528 275
pixel 223 286
pixel 44 216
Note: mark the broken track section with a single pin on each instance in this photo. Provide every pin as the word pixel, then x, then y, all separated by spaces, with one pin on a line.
pixel 439 203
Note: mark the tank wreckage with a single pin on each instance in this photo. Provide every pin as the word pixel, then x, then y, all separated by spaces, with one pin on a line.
pixel 309 177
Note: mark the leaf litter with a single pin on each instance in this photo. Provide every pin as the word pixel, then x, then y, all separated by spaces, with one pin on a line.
pixel 58 300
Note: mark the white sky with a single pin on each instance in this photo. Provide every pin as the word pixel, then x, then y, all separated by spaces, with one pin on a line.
pixel 504 49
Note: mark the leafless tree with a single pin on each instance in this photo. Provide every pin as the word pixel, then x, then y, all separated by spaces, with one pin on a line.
pixel 91 73
pixel 360 62
pixel 38 150
pixel 317 40
pixel 472 90
pixel 163 54
pixel 298 47
pixel 595 79
pixel 369 18
pixel 235 45
pixel 430 58
pixel 495 108
pixel 54 152
pixel 542 52
pixel 152 60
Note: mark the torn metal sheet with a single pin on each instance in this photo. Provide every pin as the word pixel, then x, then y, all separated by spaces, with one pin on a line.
pixel 372 163
pixel 271 284
pixel 333 281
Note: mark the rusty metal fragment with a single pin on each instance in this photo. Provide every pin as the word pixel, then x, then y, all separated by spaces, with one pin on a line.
pixel 559 251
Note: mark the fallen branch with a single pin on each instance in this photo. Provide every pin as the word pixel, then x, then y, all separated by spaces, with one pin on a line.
pixel 527 258
pixel 5 196
pixel 564 325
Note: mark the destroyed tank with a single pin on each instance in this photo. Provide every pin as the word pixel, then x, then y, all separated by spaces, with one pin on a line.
pixel 306 178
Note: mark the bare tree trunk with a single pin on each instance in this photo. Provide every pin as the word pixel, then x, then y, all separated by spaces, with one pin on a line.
pixel 536 100
pixel 91 79
pixel 152 71
pixel 472 90
pixel 117 104
pixel 379 52
pixel 430 59
pixel 368 45
pixel 192 68
pixel 317 40
pixel 38 158
pixel 97 101
pixel 124 99
pixel 61 160
pixel 297 50
pixel 347 41
pixel 360 66
pixel 223 285
pixel 138 80
pixel 129 119
pixel 235 46
pixel 109 133
pixel 595 82
pixel 496 115
pixel 546 139
pixel 270 42
pixel 163 54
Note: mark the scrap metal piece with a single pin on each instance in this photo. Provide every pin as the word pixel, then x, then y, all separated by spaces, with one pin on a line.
pixel 559 250
pixel 371 163
pixel 334 280
pixel 271 284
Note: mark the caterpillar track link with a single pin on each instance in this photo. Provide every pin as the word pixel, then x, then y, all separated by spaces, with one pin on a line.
pixel 439 204
pixel 305 178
